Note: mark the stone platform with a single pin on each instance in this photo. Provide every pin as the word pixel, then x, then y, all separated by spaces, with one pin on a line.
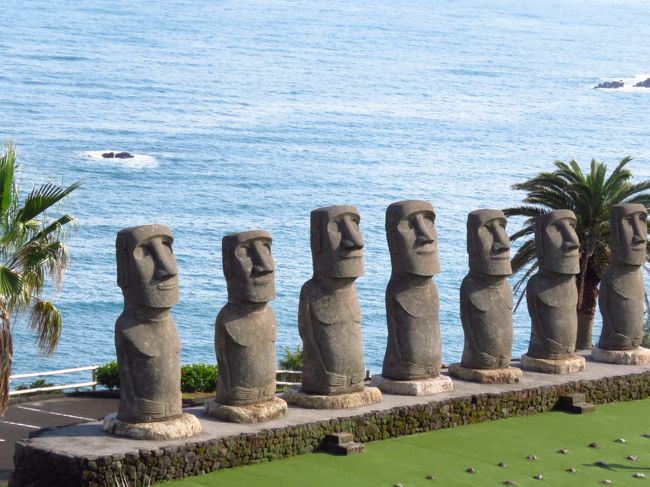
pixel 369 395
pixel 84 455
pixel 570 365
pixel 509 375
pixel 638 356
pixel 184 426
pixel 255 413
pixel 424 387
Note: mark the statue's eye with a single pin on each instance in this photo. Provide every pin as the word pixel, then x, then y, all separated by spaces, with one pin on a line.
pixel 167 247
pixel 141 252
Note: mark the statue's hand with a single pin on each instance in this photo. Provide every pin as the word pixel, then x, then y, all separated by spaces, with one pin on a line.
pixel 337 380
pixel 488 360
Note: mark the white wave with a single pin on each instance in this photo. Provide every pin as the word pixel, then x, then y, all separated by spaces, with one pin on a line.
pixel 138 161
pixel 629 83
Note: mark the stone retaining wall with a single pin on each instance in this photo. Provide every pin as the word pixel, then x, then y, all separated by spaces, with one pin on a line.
pixel 38 467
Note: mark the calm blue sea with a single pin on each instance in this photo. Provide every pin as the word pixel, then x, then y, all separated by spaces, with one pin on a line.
pixel 250 114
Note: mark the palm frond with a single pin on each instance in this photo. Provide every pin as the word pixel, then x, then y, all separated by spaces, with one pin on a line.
pixel 10 283
pixel 6 359
pixel 525 255
pixel 42 198
pixel 7 166
pixel 45 320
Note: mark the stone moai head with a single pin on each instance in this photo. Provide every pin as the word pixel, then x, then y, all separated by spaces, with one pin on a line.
pixel 412 237
pixel 628 224
pixel 248 266
pixel 488 244
pixel 556 242
pixel 146 266
pixel 336 242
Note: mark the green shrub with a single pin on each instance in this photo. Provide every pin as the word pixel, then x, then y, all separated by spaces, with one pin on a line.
pixel 199 378
pixel 38 383
pixel 291 360
pixel 108 375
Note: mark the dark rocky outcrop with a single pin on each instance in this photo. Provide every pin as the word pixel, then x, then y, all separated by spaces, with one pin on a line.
pixel 124 155
pixel 643 84
pixel 108 155
pixel 610 85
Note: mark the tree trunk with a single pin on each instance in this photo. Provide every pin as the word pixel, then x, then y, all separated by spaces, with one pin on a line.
pixel 587 308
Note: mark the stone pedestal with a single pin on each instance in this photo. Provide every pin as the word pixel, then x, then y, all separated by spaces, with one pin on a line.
pixel 253 413
pixel 546 366
pixel 638 356
pixel 508 375
pixel 182 427
pixel 424 387
pixel 369 395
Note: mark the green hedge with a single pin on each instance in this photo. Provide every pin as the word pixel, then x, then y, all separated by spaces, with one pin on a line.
pixel 194 377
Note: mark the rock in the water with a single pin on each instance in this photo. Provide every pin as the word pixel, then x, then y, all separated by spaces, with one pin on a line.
pixel 124 155
pixel 610 85
pixel 108 155
pixel 643 84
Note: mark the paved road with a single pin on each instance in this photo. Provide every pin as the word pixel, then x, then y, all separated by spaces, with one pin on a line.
pixel 21 419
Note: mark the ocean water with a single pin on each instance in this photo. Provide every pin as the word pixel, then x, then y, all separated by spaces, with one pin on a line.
pixel 250 114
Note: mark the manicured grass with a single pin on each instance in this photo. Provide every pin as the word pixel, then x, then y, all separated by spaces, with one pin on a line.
pixel 447 454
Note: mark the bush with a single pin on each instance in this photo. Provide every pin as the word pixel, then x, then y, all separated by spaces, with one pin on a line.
pixel 291 360
pixel 35 385
pixel 199 378
pixel 108 375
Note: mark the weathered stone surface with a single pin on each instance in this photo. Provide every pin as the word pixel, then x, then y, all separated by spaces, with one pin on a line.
pixel 184 426
pixel 124 155
pixel 146 340
pixel 329 316
pixel 369 395
pixel 506 375
pixel 422 387
pixel 245 329
pixel 621 294
pixel 643 84
pixel 253 413
pixel 569 365
pixel 485 294
pixel 412 303
pixel 638 356
pixel 551 294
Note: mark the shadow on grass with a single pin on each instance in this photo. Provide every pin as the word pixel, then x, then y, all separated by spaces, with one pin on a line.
pixel 615 466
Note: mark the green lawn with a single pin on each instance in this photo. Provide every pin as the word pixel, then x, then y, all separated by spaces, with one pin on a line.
pixel 446 454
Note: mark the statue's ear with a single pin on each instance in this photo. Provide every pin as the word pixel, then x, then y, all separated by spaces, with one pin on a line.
pixel 121 258
pixel 539 238
pixel 615 234
pixel 226 256
pixel 316 233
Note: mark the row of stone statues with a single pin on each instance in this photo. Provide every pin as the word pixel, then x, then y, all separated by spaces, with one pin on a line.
pixel 329 316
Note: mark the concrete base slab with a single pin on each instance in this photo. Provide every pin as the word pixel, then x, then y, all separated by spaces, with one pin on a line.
pixel 253 413
pixel 424 387
pixel 569 365
pixel 638 356
pixel 184 426
pixel 508 375
pixel 369 395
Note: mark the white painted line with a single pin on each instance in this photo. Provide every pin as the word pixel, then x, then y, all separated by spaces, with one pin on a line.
pixel 21 424
pixel 56 414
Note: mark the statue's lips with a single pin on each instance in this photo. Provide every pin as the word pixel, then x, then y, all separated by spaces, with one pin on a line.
pixel 167 286
pixel 264 279
pixel 639 247
pixel 500 257
pixel 354 254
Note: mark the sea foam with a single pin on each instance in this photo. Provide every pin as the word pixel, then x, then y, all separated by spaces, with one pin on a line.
pixel 138 161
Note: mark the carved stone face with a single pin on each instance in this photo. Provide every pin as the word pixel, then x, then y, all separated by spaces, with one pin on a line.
pixel 248 266
pixel 336 242
pixel 488 244
pixel 556 241
pixel 629 229
pixel 146 266
pixel 412 237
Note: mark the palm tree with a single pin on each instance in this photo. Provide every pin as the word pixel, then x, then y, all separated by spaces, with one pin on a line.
pixel 589 196
pixel 31 250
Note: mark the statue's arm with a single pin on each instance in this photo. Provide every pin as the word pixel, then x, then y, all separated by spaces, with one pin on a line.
pixel 222 355
pixel 469 316
pixel 391 321
pixel 605 294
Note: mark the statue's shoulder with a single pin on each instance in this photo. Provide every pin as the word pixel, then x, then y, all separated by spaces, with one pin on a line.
pixel 628 285
pixel 138 335
pixel 246 328
pixel 330 307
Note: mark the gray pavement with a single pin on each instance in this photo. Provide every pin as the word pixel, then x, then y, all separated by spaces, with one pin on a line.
pixel 26 417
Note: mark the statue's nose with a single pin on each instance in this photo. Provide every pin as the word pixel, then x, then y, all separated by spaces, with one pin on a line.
pixel 351 237
pixel 423 233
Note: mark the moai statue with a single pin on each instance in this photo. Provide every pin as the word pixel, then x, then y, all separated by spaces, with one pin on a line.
pixel 146 339
pixel 486 302
pixel 621 290
pixel 412 360
pixel 329 317
pixel 245 332
pixel 552 297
